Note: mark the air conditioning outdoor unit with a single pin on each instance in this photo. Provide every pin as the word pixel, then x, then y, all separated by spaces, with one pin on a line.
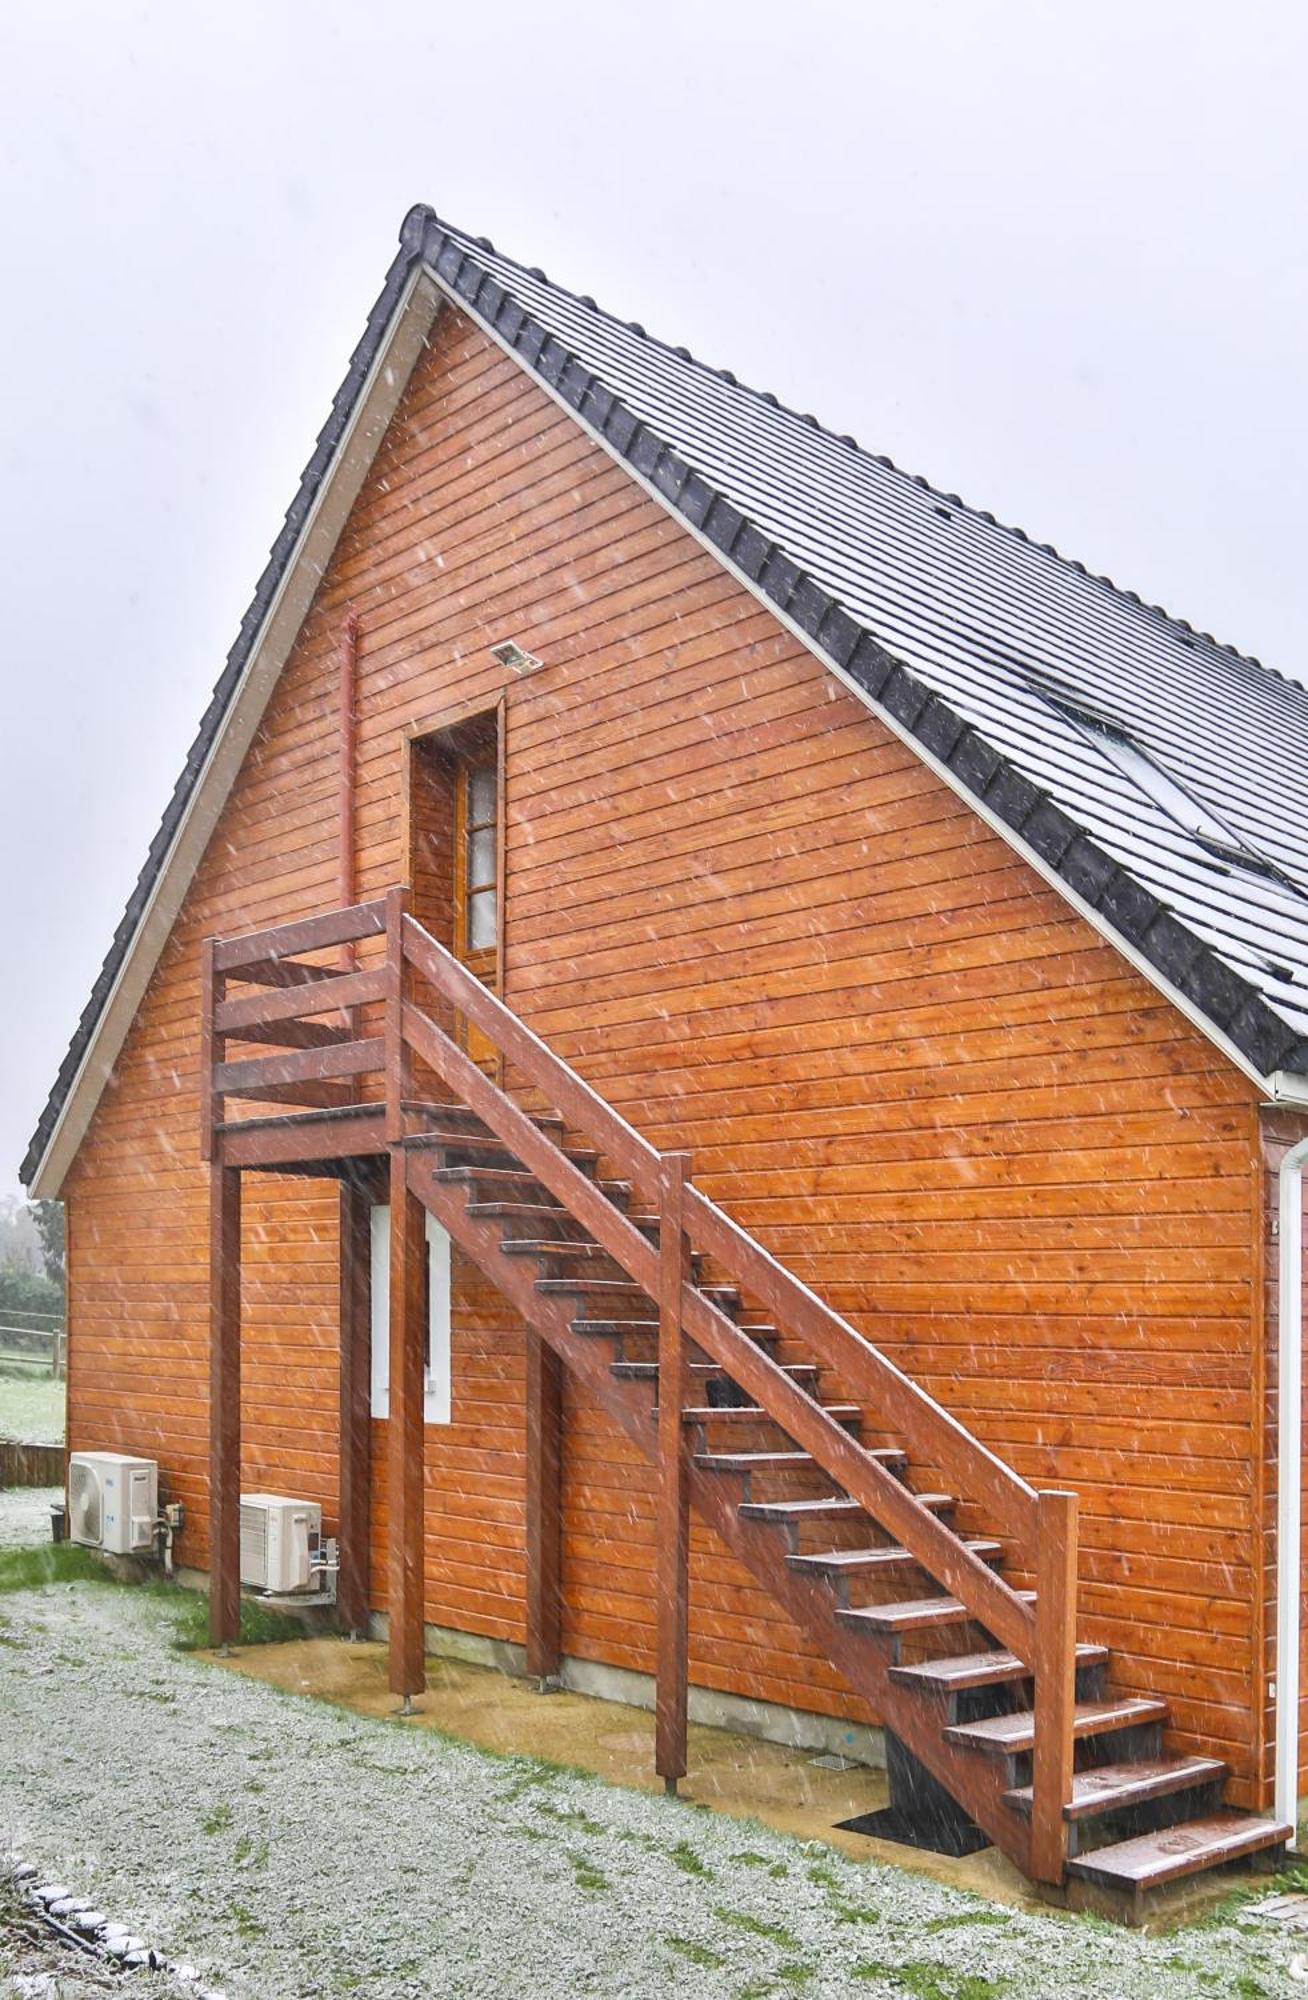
pixel 279 1541
pixel 113 1502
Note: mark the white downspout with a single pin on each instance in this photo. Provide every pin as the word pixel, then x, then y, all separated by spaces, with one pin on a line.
pixel 1289 1477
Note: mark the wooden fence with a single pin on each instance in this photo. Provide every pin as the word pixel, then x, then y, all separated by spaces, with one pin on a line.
pixel 31 1464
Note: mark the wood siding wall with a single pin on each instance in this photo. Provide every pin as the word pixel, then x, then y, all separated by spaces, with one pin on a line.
pixel 752 918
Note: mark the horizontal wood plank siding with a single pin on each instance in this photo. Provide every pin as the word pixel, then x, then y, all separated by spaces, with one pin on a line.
pixel 748 915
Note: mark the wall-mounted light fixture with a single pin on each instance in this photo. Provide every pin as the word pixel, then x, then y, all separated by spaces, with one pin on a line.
pixel 510 654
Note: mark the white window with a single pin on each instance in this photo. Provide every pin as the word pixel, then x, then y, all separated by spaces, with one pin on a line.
pixel 436 1369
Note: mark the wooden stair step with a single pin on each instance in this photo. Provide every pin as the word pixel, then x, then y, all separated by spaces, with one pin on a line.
pixel 519 1211
pixel 915 1614
pixel 648 1371
pixel 838 1508
pixel 1151 1859
pixel 1008 1735
pixel 720 1294
pixel 779 1461
pixel 552 1246
pixel 486 1142
pixel 521 1177
pixel 754 1413
pixel 1106 1788
pixel 847 1562
pixel 957 1672
pixel 419 1108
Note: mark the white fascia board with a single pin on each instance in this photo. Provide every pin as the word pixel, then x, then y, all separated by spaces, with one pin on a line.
pixel 1045 869
pixel 375 405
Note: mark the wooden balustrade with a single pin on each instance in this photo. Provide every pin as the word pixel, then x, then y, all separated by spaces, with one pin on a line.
pixel 306 1010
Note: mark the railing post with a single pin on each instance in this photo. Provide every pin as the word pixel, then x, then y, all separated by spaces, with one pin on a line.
pixel 544 1441
pixel 396 1061
pixel 406 1474
pixel 1055 1681
pixel 672 1565
pixel 224 1404
pixel 355 1384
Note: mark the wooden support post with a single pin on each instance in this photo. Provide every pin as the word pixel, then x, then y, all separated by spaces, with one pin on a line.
pixel 224 1404
pixel 672 1567
pixel 355 1303
pixel 1055 1682
pixel 544 1508
pixel 406 1436
pixel 396 1055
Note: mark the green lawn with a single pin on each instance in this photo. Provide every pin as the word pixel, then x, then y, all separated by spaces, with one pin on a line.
pixel 31 1407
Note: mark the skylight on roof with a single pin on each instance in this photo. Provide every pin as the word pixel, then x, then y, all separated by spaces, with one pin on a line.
pixel 1165 792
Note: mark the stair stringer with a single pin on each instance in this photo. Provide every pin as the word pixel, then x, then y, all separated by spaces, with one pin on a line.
pixel 974 1782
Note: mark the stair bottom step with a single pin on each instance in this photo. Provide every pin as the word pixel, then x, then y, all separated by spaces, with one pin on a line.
pixel 1152 1859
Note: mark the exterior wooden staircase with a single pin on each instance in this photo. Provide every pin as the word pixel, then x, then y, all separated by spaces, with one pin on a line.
pixel 881 1526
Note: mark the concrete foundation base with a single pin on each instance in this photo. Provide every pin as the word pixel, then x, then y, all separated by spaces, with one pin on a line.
pixel 796 1728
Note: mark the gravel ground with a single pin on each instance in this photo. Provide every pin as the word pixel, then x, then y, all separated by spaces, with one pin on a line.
pixel 288 1848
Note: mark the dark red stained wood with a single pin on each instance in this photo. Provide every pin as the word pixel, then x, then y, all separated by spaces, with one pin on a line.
pixel 287 1003
pixel 240 955
pixel 274 1142
pixel 261 1073
pixel 1151 1859
pixel 355 1407
pixel 672 1559
pixel 544 1437
pixel 405 1435
pixel 224 1405
pixel 396 1052
pixel 1055 1681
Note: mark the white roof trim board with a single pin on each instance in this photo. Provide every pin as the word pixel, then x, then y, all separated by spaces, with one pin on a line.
pixel 998 660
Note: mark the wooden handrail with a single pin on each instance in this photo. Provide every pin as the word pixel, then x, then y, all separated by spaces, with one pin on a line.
pixel 636 1160
pixel 937 1436
pixel 335 927
pixel 928 1430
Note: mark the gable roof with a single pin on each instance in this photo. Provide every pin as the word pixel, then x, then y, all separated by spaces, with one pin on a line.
pixel 1055 702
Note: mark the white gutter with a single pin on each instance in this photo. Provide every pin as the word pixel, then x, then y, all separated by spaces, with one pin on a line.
pixel 1289 1477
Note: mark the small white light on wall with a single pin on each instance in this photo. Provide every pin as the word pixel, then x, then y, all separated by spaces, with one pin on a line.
pixel 511 654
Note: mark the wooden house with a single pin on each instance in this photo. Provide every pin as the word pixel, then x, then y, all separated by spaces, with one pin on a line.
pixel 660 897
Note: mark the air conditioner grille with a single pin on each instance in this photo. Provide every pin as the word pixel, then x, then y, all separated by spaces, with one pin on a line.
pixel 254 1545
pixel 84 1503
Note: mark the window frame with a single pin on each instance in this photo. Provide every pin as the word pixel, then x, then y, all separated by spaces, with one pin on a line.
pixel 482 959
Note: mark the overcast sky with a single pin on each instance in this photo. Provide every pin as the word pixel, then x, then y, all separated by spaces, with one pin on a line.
pixel 1051 256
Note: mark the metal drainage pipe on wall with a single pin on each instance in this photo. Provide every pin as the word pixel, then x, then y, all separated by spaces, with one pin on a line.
pixel 1289 1476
